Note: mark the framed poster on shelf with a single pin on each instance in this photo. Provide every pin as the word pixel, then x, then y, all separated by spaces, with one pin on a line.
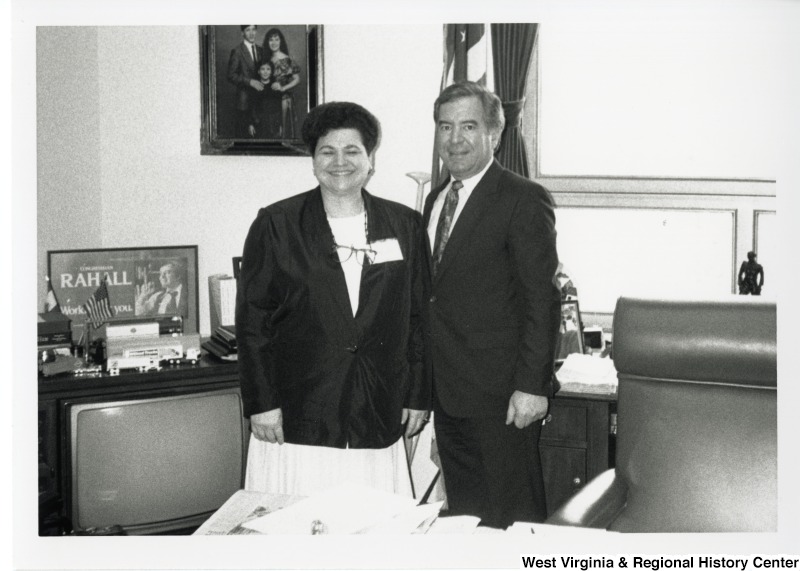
pixel 141 283
pixel 258 84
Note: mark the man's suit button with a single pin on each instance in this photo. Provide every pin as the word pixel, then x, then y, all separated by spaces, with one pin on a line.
pixel 433 299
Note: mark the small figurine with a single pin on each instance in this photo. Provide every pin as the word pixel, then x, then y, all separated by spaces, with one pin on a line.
pixel 751 276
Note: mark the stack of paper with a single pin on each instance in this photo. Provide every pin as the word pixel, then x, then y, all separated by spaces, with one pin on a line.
pixel 587 374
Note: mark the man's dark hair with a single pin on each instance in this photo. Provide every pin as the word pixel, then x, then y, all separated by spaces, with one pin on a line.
pixel 492 106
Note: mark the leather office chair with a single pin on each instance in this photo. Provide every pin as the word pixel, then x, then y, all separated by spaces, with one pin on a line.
pixel 697 421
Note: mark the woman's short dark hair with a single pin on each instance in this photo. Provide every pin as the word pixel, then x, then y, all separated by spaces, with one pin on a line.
pixel 491 104
pixel 275 32
pixel 341 115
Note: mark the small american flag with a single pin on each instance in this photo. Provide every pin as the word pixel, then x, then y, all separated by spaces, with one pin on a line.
pixel 98 307
pixel 51 303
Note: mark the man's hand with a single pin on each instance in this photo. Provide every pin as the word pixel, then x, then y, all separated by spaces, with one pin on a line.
pixel 145 290
pixel 257 85
pixel 416 420
pixel 525 408
pixel 142 301
pixel 268 426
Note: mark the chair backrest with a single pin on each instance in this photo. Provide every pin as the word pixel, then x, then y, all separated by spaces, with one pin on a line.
pixel 697 414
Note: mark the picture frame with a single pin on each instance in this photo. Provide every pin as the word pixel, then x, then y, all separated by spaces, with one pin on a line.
pixel 134 281
pixel 239 120
pixel 570 332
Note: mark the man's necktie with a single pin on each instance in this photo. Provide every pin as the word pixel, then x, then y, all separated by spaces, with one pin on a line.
pixel 254 54
pixel 172 306
pixel 445 222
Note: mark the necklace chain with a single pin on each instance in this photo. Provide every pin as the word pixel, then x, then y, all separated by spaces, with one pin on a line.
pixel 366 251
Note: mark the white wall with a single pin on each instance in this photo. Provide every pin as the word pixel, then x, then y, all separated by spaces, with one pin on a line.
pixel 68 142
pixel 119 134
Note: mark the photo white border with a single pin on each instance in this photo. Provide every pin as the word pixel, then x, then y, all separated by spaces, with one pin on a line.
pixel 343 552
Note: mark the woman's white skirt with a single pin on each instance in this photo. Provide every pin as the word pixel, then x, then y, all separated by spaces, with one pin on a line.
pixel 304 470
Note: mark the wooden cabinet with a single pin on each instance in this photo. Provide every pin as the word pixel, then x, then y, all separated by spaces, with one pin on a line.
pixel 577 443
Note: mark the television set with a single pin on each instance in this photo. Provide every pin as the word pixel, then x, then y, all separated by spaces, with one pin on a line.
pixel 153 465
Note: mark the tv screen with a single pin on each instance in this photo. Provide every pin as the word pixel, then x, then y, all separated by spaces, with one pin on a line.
pixel 154 465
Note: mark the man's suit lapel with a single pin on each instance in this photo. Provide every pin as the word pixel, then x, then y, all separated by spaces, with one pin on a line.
pixel 479 201
pixel 247 56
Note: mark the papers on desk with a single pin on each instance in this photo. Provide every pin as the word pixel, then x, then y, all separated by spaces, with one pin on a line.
pixel 241 507
pixel 354 511
pixel 345 510
pixel 414 521
pixel 587 374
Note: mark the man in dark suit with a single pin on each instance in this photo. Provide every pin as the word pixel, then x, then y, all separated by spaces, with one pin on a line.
pixel 171 299
pixel 494 315
pixel 242 67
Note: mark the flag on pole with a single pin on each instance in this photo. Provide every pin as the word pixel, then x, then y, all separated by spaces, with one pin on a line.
pixel 467 57
pixel 98 307
pixel 466 52
pixel 51 303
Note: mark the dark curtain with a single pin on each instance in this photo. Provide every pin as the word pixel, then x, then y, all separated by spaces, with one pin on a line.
pixel 512 50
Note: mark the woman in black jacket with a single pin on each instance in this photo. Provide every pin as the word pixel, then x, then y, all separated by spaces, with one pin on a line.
pixel 329 323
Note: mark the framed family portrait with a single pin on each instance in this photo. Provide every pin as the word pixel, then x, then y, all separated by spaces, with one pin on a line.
pixel 259 81
pixel 141 282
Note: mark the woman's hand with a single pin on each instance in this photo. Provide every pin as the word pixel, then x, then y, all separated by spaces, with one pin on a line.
pixel 276 87
pixel 416 420
pixel 268 426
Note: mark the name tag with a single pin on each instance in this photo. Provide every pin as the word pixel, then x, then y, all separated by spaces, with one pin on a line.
pixel 387 251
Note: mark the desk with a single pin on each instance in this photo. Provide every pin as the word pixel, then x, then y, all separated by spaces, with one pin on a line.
pixel 338 510
pixel 245 506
